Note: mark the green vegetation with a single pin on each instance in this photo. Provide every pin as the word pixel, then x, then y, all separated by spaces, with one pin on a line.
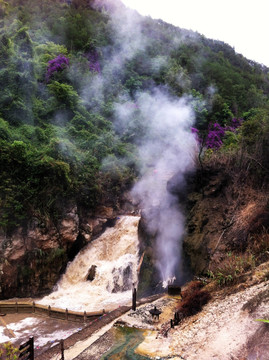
pixel 8 352
pixel 232 268
pixel 58 134
pixel 265 321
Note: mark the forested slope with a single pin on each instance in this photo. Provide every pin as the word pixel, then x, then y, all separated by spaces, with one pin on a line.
pixel 65 67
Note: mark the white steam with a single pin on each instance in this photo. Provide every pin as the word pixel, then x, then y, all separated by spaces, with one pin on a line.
pixel 166 145
pixel 168 150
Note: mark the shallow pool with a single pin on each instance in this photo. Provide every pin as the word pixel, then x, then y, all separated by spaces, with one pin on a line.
pixel 127 340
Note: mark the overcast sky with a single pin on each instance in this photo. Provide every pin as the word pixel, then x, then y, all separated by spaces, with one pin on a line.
pixel 243 24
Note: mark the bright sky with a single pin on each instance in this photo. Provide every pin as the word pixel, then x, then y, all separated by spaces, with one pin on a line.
pixel 243 24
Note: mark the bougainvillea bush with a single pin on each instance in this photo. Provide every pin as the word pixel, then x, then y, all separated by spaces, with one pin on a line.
pixel 56 65
pixel 216 133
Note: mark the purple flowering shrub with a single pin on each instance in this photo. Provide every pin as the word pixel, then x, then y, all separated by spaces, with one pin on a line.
pixel 214 136
pixel 56 65
pixel 216 133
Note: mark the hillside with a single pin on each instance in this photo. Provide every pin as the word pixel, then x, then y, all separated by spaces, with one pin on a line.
pixel 81 85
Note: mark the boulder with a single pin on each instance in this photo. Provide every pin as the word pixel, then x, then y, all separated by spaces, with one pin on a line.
pixel 91 273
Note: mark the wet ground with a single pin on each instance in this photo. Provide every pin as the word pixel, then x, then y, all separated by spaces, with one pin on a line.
pixel 121 342
pixel 97 336
pixel 117 344
pixel 17 328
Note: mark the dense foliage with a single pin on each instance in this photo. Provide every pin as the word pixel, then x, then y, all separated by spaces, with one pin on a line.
pixel 57 135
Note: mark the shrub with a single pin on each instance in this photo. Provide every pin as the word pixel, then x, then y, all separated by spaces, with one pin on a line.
pixel 8 352
pixel 232 267
pixel 216 133
pixel 193 299
pixel 56 65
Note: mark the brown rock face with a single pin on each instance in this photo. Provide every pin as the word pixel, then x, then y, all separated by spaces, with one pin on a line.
pixel 69 226
pixel 224 215
pixel 33 258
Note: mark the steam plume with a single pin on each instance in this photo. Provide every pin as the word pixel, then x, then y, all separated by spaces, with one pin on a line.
pixel 167 151
pixel 166 145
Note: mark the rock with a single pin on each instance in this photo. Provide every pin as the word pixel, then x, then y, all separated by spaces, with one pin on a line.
pixel 69 226
pixel 104 212
pixel 91 273
pixel 33 257
pixel 221 217
pixel 96 225
pixel 127 278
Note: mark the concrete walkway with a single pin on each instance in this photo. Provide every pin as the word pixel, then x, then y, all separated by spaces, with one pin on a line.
pixel 85 333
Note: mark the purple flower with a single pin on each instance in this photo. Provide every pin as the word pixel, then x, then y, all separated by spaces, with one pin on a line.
pixel 216 133
pixel 56 65
pixel 194 130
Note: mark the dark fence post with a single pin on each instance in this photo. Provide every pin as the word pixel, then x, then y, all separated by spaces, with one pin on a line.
pixel 31 348
pixel 134 299
pixel 27 349
pixel 62 349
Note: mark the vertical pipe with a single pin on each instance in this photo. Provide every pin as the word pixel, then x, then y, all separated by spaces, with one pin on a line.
pixel 84 316
pixel 134 299
pixel 66 314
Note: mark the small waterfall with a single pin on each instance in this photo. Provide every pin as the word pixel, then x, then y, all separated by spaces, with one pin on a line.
pixel 110 262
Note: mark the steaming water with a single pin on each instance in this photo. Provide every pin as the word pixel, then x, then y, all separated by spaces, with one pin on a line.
pixel 115 255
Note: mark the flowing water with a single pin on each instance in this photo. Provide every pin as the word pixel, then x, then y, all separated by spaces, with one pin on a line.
pixel 114 256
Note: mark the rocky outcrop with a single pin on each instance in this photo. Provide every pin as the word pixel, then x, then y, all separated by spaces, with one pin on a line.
pixel 149 278
pixel 33 257
pixel 225 213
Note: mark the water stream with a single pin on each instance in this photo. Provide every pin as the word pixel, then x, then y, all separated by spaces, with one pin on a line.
pixel 114 258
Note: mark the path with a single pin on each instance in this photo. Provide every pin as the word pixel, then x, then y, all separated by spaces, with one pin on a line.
pixel 85 337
